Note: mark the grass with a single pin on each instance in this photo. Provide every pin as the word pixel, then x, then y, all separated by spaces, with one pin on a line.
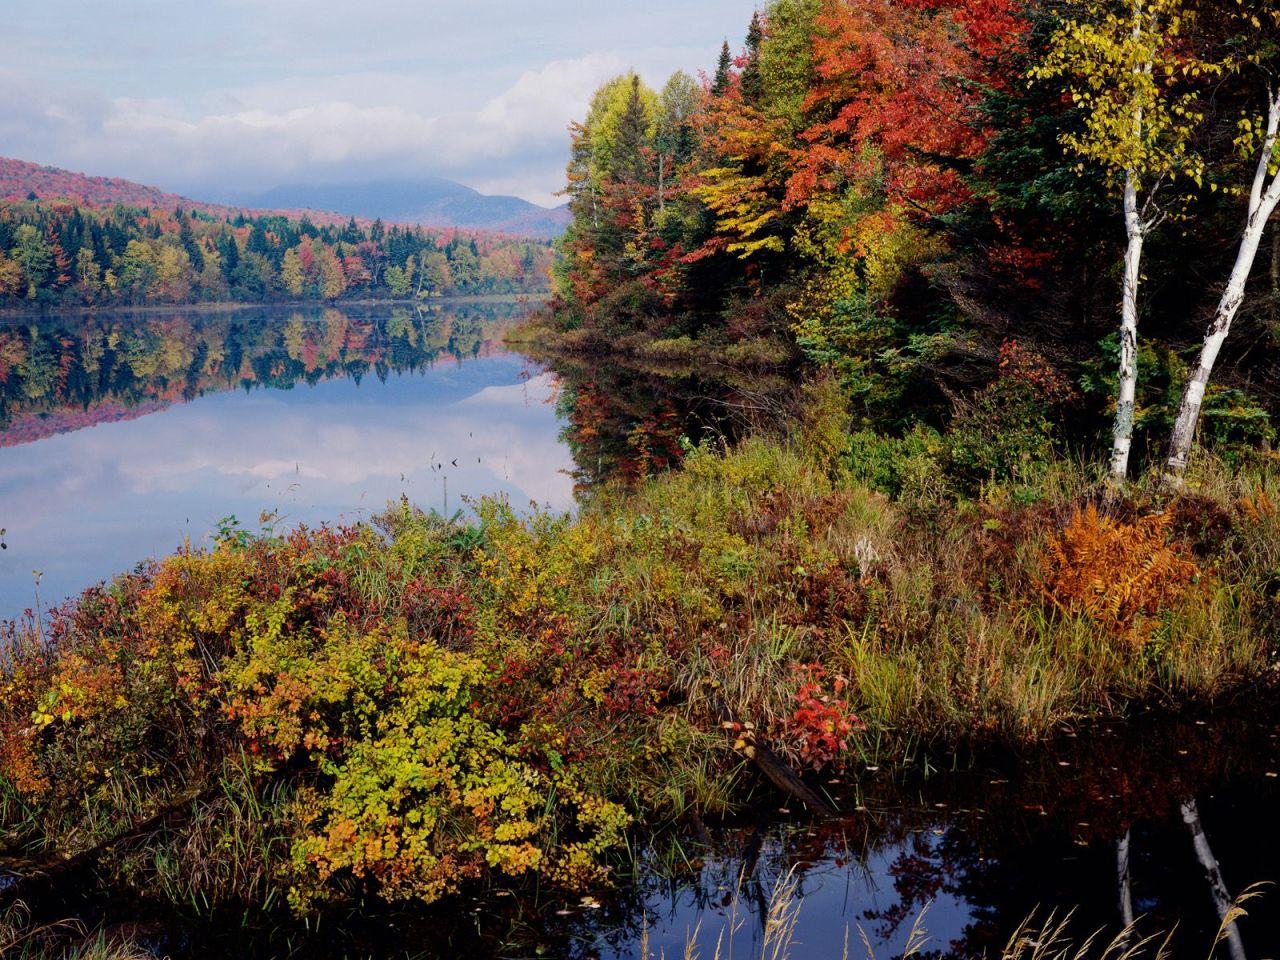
pixel 1052 936
pixel 20 939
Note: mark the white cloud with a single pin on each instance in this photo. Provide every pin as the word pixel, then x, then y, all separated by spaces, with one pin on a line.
pixel 231 97
pixel 256 148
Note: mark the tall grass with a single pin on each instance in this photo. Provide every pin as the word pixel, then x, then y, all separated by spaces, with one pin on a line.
pixel 1051 936
pixel 787 592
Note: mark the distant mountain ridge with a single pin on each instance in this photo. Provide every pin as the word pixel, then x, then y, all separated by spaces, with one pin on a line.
pixel 429 201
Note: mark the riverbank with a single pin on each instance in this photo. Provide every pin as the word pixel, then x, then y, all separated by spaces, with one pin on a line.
pixel 222 306
pixel 409 710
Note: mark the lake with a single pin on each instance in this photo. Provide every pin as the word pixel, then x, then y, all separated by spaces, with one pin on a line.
pixel 124 435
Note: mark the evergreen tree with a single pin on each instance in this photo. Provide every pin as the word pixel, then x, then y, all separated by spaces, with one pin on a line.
pixel 630 162
pixel 720 85
pixel 752 79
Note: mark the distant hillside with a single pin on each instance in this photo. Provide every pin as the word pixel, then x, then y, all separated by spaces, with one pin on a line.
pixel 20 179
pixel 431 201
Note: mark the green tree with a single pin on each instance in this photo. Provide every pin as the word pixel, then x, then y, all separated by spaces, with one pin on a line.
pixel 674 136
pixel 34 256
pixel 720 84
pixel 752 79
pixel 630 160
pixel 88 272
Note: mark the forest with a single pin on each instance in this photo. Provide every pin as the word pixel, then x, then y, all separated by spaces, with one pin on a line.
pixel 904 193
pixel 978 301
pixel 64 253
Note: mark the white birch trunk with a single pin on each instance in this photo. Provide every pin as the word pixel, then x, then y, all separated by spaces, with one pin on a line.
pixel 1135 233
pixel 1126 398
pixel 1263 198
pixel 1212 873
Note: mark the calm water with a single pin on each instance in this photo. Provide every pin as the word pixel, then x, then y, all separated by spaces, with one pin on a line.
pixel 121 436
pixel 972 853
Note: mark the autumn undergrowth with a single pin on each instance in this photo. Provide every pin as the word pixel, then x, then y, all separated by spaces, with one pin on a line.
pixel 404 709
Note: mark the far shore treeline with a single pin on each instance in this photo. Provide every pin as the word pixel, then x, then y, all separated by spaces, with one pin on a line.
pixel 62 253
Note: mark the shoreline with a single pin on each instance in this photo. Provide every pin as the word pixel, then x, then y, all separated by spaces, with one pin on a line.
pixel 219 306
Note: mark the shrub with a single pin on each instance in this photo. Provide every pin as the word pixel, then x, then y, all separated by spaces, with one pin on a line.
pixel 1119 574
pixel 1005 433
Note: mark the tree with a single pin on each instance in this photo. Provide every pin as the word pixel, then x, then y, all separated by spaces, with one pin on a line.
pixel 137 268
pixel 1260 135
pixel 724 74
pixel 630 151
pixel 88 273
pixel 334 281
pixel 10 277
pixel 752 82
pixel 786 58
pixel 291 272
pixel 400 279
pixel 33 255
pixel 1124 62
pixel 674 137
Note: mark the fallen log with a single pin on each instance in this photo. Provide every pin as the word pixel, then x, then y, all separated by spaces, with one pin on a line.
pixel 750 745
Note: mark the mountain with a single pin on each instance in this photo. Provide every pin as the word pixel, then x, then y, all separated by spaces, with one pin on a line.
pixel 21 179
pixel 430 201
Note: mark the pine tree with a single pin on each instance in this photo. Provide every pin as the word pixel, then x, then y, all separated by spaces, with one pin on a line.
pixel 752 79
pixel 720 85
pixel 630 162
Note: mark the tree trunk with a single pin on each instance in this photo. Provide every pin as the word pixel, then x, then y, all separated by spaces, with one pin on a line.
pixel 1128 373
pixel 1262 203
pixel 1123 876
pixel 1213 874
pixel 1273 312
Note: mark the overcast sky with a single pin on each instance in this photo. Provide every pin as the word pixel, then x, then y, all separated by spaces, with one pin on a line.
pixel 214 98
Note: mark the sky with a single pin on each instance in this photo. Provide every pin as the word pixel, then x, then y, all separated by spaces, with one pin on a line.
pixel 223 98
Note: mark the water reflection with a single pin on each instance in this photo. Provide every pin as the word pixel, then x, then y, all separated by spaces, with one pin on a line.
pixel 974 851
pixel 1164 819
pixel 626 419
pixel 123 435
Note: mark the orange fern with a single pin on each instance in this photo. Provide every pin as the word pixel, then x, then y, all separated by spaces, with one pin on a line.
pixel 1257 508
pixel 1119 574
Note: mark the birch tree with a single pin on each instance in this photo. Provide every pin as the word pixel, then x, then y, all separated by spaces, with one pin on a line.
pixel 1125 69
pixel 1258 135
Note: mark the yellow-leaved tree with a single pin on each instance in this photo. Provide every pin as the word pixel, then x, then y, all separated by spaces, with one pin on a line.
pixel 1129 71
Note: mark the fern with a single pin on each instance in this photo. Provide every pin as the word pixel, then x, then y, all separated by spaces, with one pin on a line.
pixel 1119 574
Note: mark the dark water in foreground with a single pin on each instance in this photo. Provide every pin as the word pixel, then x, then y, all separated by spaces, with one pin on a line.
pixel 122 435
pixel 972 853
pixel 964 855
